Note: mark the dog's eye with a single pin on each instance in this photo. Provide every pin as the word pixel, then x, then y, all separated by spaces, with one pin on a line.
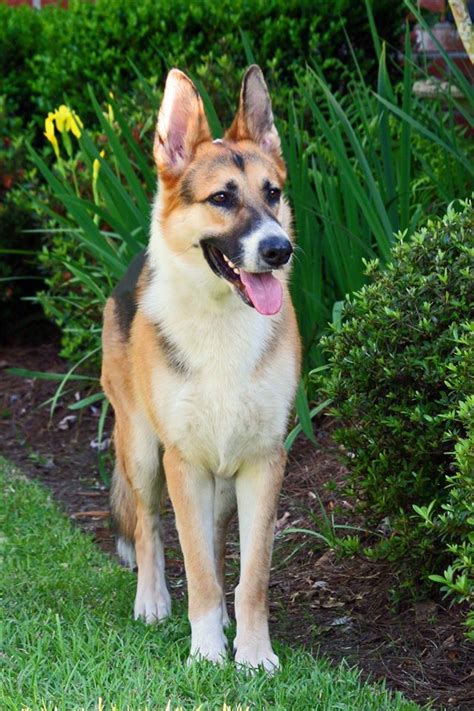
pixel 273 194
pixel 221 199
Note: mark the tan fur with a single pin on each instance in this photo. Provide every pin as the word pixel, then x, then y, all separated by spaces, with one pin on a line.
pixel 116 369
pixel 256 533
pixel 203 378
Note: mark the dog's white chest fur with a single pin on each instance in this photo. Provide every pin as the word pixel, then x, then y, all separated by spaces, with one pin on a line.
pixel 218 426
pixel 224 409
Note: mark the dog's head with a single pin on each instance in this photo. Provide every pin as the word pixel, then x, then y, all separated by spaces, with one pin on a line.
pixel 221 202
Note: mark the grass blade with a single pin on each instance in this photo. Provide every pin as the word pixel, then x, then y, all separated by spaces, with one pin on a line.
pixel 385 89
pixel 215 125
pixel 86 401
pixel 249 55
pixel 404 159
pixel 427 133
pixel 121 158
pixel 40 375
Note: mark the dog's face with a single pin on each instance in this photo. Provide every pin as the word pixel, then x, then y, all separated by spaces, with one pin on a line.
pixel 222 208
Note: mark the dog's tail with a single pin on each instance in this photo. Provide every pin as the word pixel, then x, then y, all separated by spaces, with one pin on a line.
pixel 125 516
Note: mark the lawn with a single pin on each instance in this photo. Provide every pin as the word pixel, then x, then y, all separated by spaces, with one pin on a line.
pixel 69 642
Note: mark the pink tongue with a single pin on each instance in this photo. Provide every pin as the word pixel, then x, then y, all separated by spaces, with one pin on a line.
pixel 265 291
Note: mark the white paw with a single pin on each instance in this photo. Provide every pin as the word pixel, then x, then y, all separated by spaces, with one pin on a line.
pixel 255 657
pixel 213 652
pixel 151 606
pixel 207 638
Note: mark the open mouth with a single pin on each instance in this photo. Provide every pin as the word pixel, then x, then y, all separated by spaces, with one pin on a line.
pixel 261 290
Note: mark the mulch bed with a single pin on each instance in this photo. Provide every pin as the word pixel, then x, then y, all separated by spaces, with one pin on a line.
pixel 339 608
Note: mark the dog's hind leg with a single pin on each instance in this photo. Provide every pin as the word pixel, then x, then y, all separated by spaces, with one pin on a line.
pixel 136 498
pixel 225 506
pixel 138 481
pixel 122 503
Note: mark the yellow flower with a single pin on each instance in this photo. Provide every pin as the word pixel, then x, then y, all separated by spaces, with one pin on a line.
pixel 96 167
pixel 74 123
pixel 49 133
pixel 67 120
pixel 61 116
pixel 110 111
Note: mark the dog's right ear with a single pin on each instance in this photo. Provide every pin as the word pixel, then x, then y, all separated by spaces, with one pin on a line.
pixel 254 118
pixel 181 126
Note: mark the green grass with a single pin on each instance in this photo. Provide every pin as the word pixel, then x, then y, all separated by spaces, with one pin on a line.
pixel 68 638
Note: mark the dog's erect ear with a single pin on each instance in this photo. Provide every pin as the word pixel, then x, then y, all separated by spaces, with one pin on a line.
pixel 182 125
pixel 254 118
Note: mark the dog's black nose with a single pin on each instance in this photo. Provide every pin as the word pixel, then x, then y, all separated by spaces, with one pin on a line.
pixel 275 251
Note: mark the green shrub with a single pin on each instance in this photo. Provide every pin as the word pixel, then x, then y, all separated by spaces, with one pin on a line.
pixel 401 379
pixel 19 274
pixel 54 54
pixel 21 38
pixel 65 301
pixel 457 513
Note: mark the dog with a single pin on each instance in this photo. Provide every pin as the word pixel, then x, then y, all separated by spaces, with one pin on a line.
pixel 201 359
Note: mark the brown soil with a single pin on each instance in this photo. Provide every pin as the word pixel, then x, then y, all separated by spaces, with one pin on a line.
pixel 339 608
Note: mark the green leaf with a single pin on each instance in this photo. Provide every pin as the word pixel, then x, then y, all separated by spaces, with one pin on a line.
pixel 39 375
pixel 90 400
pixel 249 55
pixel 215 125
pixel 427 133
pixel 100 433
pixel 123 161
pixel 299 427
pixel 68 376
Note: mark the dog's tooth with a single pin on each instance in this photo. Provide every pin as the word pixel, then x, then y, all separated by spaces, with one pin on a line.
pixel 231 264
pixel 225 258
pixel 236 271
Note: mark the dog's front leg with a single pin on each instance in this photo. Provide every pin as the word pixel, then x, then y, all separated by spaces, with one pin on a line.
pixel 258 485
pixel 192 495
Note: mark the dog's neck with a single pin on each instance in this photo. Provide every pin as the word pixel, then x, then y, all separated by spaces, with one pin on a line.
pixel 190 287
pixel 197 310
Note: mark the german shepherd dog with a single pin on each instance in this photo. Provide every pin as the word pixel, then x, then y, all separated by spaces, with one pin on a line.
pixel 201 357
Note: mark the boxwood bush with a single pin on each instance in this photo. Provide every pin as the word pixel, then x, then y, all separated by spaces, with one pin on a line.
pixel 401 379
pixel 54 54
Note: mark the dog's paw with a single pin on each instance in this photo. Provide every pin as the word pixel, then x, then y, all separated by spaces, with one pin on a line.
pixel 214 654
pixel 152 607
pixel 213 649
pixel 253 658
pixel 208 640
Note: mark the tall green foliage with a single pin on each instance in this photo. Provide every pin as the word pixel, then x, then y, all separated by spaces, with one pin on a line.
pixel 364 169
pixel 356 168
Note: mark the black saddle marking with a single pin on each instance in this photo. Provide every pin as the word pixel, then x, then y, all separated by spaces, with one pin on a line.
pixel 125 298
pixel 124 293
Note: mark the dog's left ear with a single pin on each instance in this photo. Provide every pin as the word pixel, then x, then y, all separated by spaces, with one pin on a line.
pixel 254 118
